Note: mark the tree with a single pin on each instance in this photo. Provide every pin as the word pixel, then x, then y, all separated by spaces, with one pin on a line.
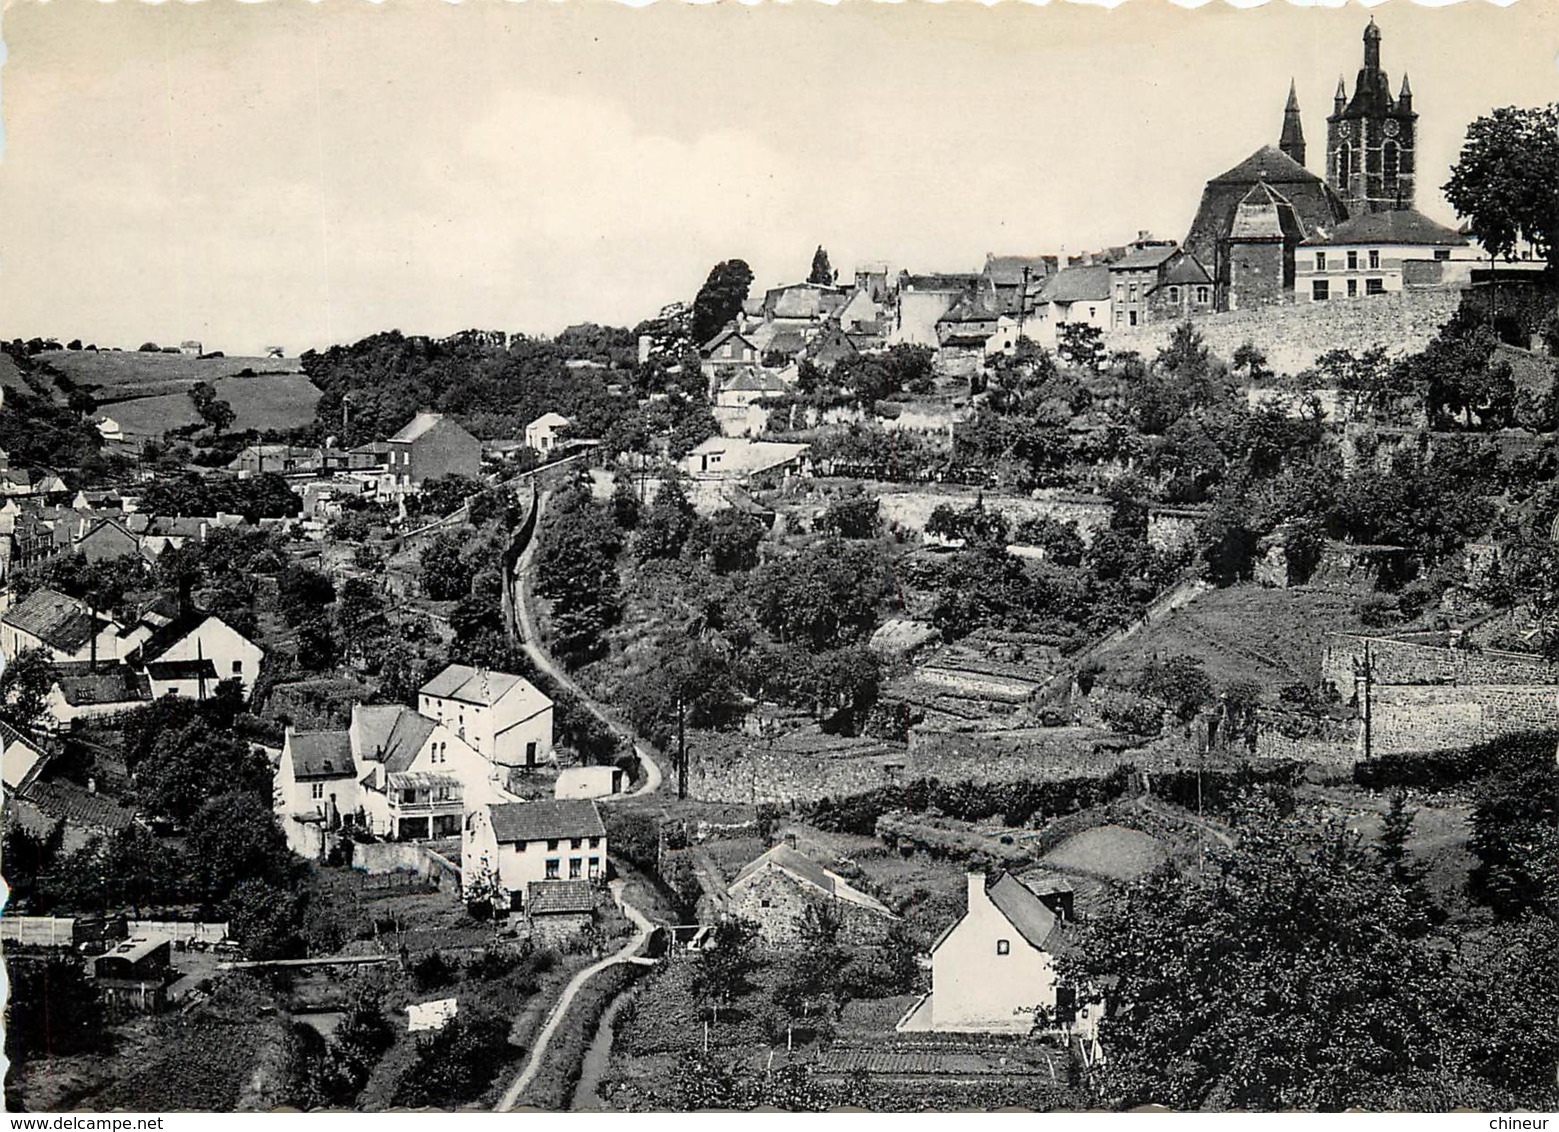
pixel 317 648
pixel 733 537
pixel 455 1065
pixel 303 594
pixel 576 569
pixel 720 299
pixel 360 616
pixel 1506 181
pixel 446 575
pixel 24 688
pixel 822 272
pixel 235 838
pixel 1292 973
pixel 1081 344
pixel 851 516
pixel 722 970
pixel 1515 834
pixel 667 522
pixel 815 977
pixel 52 1010
pixel 626 507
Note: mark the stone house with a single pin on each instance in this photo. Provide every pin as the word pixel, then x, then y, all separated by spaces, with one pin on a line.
pixel 559 911
pixel 729 348
pixel 516 844
pixel 428 447
pixel 106 539
pixel 922 302
pixel 1074 294
pixel 994 968
pixel 1157 281
pixel 774 891
pixel 1258 255
pixel 503 717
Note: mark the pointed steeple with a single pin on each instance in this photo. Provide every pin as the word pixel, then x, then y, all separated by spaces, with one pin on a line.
pixel 1292 141
pixel 1340 99
pixel 1405 99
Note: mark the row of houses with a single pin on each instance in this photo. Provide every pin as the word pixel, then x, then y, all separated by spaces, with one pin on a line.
pixel 106 665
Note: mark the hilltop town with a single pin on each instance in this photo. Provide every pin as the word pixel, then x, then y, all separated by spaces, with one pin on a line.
pixel 1114 678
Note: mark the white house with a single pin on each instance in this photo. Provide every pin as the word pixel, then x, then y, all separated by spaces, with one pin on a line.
pixel 502 716
pixel 749 387
pixel 541 435
pixel 995 968
pixel 191 656
pixel 1378 253
pixel 60 626
pixel 588 782
pixel 21 760
pixel 735 458
pixel 393 772
pixel 521 843
pixel 1075 294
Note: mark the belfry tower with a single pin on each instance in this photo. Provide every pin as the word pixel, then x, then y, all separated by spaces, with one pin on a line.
pixel 1292 141
pixel 1370 138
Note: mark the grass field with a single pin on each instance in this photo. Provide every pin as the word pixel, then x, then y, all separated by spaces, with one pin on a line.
pixel 1110 851
pixel 279 401
pixel 133 374
pixel 1245 632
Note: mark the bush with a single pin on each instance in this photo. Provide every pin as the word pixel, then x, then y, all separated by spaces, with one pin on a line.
pixel 1133 715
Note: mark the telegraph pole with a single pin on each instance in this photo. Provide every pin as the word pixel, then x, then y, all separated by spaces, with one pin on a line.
pixel 681 747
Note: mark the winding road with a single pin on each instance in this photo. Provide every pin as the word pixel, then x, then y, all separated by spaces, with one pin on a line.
pixel 628 954
pixel 530 640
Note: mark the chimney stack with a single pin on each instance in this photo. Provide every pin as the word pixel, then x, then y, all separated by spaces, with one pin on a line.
pixel 977 895
pixel 91 786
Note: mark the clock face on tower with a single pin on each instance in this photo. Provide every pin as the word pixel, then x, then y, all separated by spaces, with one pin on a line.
pixel 1392 128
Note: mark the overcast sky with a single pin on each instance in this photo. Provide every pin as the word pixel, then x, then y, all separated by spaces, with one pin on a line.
pixel 296 174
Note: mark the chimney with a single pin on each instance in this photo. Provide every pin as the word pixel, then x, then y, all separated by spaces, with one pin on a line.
pixel 976 890
pixel 91 786
pixel 790 839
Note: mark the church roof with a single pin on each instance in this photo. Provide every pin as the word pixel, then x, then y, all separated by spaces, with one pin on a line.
pixel 1398 226
pixel 1187 269
pixel 1314 202
pixel 1267 164
pixel 1266 214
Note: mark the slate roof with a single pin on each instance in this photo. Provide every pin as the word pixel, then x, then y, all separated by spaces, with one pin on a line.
pixel 1266 214
pixel 1399 226
pixel 546 820
pixel 1144 259
pixel 939 282
pixel 558 897
pixel 416 427
pixel 473 685
pixel 91 689
pixel 321 755
pixel 404 739
pixel 728 332
pixel 194 668
pixel 60 622
pixel 550 420
pixel 1187 269
pixel 755 380
pixel 71 804
pixel 787 342
pixel 798 865
pixel 1024 911
pixel 1007 270
pixel 1090 283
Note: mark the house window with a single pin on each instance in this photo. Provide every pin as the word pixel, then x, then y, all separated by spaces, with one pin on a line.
pixel 1132 317
pixel 238 665
pixel 318 791
pixel 1374 286
pixel 1174 294
pixel 1320 290
pixel 764 903
pixel 1119 318
pixel 1120 292
pixel 595 867
pixel 1320 261
pixel 173 689
pixel 1353 261
pixel 1353 288
pixel 1133 292
pixel 1003 946
pixel 408 797
pixel 575 868
pixel 530 754
pixel 1374 259
pixel 1092 311
pixel 595 843
pixel 552 843
pixel 1442 254
pixel 1201 295
pixel 576 842
pixel 552 868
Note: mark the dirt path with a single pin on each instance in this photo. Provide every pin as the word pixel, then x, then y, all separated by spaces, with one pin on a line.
pixel 511 1096
pixel 530 640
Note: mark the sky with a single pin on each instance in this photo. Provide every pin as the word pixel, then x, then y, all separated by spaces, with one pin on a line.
pixel 298 174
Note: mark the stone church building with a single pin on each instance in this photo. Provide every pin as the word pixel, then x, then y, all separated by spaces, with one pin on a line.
pixel 1253 217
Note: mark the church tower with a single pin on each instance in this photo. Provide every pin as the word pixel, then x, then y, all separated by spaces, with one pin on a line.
pixel 1370 138
pixel 1292 141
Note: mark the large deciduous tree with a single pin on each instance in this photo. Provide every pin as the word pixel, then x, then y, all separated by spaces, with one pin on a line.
pixel 1506 181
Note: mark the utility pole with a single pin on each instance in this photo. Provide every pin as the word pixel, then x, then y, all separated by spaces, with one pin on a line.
pixel 1023 298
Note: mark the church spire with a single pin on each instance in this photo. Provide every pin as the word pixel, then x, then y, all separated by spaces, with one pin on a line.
pixel 1340 99
pixel 1405 99
pixel 1292 141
